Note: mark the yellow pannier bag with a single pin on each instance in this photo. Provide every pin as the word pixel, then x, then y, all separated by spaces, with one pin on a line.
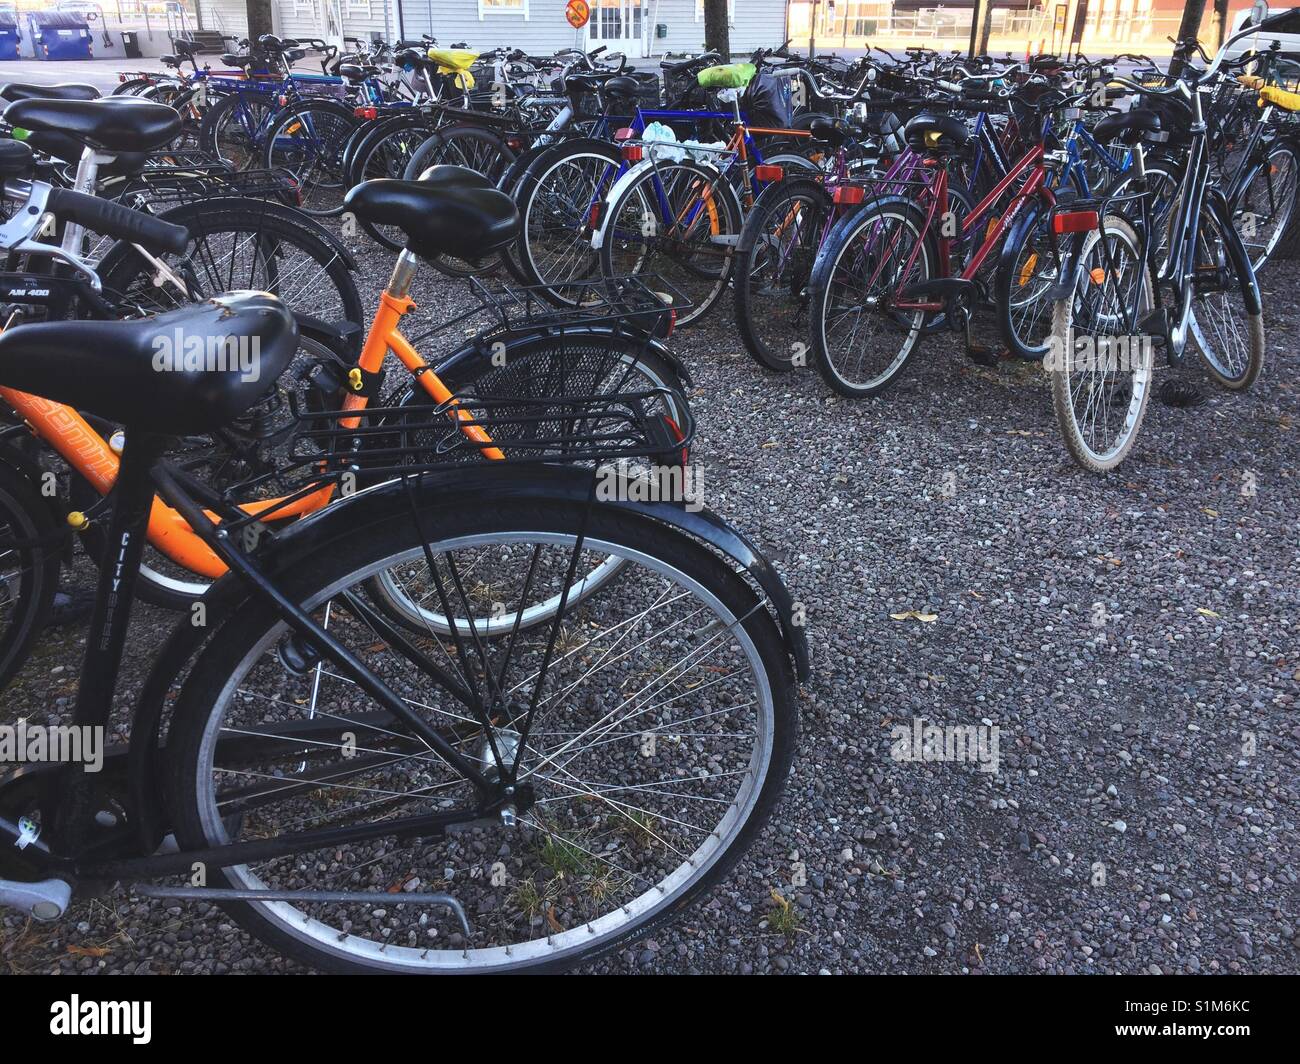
pixel 455 61
pixel 1288 101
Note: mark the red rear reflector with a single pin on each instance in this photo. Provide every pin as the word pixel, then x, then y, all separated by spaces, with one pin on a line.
pixel 848 194
pixel 514 143
pixel 367 113
pixel 768 172
pixel 593 216
pixel 626 133
pixel 284 100
pixel 1075 221
pixel 633 153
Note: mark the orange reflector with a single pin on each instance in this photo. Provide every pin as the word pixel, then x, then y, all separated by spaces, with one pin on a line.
pixel 1097 274
pixel 1075 221
pixel 1027 270
pixel 769 172
pixel 848 194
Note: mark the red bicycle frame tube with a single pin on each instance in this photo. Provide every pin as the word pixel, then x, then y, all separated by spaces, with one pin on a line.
pixel 1033 186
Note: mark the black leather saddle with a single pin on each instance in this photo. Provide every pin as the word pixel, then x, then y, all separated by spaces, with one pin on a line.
pixel 187 371
pixel 832 131
pixel 930 133
pixel 118 123
pixel 1127 127
pixel 357 71
pixel 64 90
pixel 601 81
pixel 451 210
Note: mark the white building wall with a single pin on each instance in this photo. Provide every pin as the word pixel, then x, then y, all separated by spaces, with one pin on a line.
pixel 754 24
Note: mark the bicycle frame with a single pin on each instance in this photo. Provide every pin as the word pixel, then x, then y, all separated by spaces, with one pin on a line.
pixel 1034 186
pixel 86 451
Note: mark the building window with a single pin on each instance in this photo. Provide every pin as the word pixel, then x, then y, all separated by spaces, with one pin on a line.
pixel 731 11
pixel 359 7
pixel 502 7
pixel 304 7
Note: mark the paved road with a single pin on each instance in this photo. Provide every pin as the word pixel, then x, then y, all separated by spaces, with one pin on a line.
pixel 101 73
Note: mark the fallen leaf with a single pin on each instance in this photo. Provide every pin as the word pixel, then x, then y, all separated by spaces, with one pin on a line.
pixel 88 951
pixel 1207 510
pixel 556 926
pixel 915 615
pixel 1205 613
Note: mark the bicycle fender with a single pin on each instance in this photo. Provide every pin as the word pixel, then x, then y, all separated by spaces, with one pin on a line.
pixel 1218 203
pixel 635 173
pixel 1071 264
pixel 382 504
pixel 475 349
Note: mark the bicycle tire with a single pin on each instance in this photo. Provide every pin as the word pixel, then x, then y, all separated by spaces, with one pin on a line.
pixel 237 647
pixel 27 590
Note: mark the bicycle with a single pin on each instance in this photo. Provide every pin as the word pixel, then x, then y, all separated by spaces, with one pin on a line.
pixel 1110 312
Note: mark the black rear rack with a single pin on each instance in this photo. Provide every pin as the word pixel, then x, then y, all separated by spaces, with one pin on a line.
pixel 350 450
pixel 644 305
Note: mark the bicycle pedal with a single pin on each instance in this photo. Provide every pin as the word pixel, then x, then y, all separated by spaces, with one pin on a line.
pixel 43 900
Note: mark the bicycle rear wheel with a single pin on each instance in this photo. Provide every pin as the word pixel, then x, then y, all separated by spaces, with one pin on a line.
pixel 664 732
pixel 774 261
pixel 1101 370
pixel 29 567
pixel 558 198
pixel 679 221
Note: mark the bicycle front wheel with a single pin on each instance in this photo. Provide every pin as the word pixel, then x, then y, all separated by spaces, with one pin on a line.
pixel 778 245
pixel 1227 323
pixel 861 340
pixel 664 729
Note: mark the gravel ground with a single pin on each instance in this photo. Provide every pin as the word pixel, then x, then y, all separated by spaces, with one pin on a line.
pixel 1133 637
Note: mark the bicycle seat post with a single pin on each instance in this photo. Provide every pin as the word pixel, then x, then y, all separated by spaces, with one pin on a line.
pixel 126 536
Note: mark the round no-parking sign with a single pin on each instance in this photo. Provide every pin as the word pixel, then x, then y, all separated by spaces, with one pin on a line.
pixel 577 12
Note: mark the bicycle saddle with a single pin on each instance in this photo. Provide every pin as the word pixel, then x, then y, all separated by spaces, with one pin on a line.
pixel 356 71
pixel 15 159
pixel 184 47
pixel 593 82
pixel 118 123
pixel 832 131
pixel 941 133
pixel 187 371
pixel 451 210
pixel 65 90
pixel 1127 127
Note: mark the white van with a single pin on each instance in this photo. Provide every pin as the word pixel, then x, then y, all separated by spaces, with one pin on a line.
pixel 1284 30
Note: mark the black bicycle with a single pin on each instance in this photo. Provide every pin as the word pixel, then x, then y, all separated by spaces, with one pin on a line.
pixel 1110 312
pixel 365 793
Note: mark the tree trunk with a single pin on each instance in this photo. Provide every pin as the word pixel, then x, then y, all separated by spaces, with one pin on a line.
pixel 1220 22
pixel 259 19
pixel 717 34
pixel 1190 26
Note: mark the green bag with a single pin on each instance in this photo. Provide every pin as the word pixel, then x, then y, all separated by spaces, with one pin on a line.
pixel 731 76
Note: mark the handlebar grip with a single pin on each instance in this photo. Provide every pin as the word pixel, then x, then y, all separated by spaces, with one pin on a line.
pixel 114 219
